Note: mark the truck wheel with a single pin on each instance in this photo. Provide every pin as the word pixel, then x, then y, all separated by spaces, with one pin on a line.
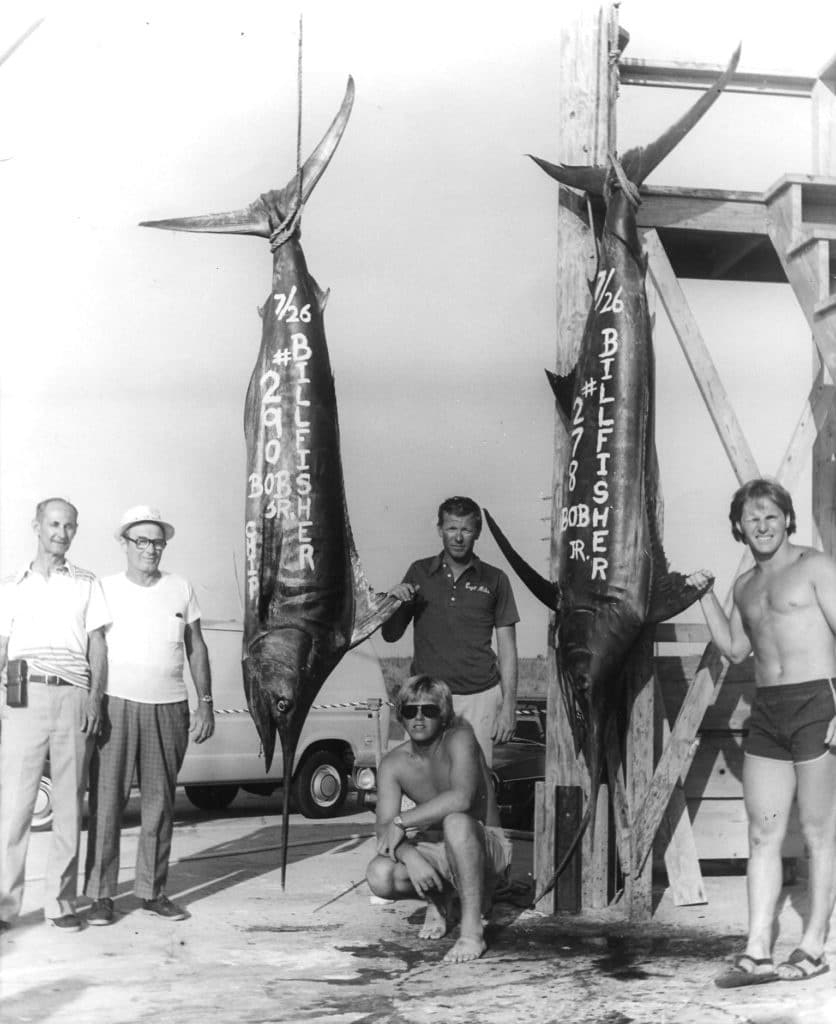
pixel 42 815
pixel 211 798
pixel 320 785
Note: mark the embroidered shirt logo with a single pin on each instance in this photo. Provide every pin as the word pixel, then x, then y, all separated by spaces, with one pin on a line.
pixel 479 588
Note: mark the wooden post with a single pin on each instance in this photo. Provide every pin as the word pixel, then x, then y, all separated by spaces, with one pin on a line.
pixel 638 880
pixel 824 449
pixel 585 133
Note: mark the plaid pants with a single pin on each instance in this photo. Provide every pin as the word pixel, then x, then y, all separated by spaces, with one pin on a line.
pixel 149 741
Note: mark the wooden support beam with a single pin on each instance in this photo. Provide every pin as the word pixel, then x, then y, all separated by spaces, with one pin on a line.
pixel 638 882
pixel 824 449
pixel 675 834
pixel 679 75
pixel 699 359
pixel 585 129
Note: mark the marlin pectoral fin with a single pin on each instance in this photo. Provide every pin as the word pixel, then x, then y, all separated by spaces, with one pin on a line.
pixel 563 388
pixel 672 594
pixel 255 218
pixel 544 590
pixel 587 179
pixel 370 611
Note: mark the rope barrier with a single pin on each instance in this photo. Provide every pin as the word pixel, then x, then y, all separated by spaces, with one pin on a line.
pixel 364 705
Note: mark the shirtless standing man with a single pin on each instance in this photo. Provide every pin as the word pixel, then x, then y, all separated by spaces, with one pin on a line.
pixel 784 614
pixel 450 841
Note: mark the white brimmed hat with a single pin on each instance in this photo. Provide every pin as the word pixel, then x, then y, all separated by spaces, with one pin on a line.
pixel 143 514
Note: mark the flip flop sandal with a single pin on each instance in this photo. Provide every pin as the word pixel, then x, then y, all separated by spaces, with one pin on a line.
pixel 803 966
pixel 744 972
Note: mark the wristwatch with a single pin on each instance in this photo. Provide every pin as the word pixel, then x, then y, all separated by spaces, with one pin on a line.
pixel 398 820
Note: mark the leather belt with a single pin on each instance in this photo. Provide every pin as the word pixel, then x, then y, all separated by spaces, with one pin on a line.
pixel 36 677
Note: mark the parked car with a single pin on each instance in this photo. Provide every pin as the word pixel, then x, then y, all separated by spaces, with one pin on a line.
pixel 518 765
pixel 343 738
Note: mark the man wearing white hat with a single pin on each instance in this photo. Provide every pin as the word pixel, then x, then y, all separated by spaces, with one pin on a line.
pixel 155 629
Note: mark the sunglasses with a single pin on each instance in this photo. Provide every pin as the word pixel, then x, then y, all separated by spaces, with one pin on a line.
pixel 427 710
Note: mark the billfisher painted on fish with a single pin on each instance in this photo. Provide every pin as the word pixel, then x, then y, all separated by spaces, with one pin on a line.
pixel 307 598
pixel 613 583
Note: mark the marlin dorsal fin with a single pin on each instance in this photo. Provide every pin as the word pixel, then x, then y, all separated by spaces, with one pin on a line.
pixel 544 590
pixel 564 389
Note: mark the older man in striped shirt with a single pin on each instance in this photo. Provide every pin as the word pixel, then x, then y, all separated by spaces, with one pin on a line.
pixel 52 619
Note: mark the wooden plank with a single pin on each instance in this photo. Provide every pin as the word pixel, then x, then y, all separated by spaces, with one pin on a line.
pixel 620 800
pixel 824 448
pixel 568 888
pixel 721 830
pixel 542 853
pixel 729 712
pixel 585 133
pixel 698 210
pixel 682 633
pixel 823 106
pixel 717 769
pixel 784 212
pixel 699 359
pixel 678 754
pixel 638 884
pixel 675 836
pixel 673 74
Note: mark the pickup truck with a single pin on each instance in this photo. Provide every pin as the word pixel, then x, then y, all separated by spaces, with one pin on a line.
pixel 344 737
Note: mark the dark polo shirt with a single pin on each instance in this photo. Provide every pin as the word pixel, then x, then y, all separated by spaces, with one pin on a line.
pixel 454 621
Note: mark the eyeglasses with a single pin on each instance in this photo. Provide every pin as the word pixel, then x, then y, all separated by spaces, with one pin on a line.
pixel 144 542
pixel 427 710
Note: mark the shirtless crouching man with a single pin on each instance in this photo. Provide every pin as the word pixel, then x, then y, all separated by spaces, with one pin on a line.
pixel 784 614
pixel 450 842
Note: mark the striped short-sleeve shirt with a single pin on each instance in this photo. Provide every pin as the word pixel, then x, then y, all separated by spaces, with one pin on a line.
pixel 47 619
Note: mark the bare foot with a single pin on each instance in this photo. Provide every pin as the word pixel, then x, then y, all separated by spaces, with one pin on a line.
pixel 468 947
pixel 435 923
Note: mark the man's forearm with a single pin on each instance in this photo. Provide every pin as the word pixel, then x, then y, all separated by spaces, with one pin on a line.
pixel 395 626
pixel 717 622
pixel 200 671
pixel 97 658
pixel 435 810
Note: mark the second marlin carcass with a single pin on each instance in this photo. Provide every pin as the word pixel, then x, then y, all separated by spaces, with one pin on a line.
pixel 613 583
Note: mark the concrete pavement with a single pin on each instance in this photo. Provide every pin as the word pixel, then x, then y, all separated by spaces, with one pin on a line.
pixel 252 953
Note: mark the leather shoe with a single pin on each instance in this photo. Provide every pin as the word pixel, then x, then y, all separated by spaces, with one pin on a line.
pixel 162 906
pixel 68 922
pixel 101 912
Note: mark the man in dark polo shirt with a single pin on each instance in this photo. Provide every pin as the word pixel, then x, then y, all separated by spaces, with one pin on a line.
pixel 457 601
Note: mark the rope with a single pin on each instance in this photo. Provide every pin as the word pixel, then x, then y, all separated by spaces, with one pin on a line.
pixel 350 704
pixel 290 224
pixel 299 120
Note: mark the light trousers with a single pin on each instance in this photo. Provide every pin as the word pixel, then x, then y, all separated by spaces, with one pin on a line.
pixel 51 724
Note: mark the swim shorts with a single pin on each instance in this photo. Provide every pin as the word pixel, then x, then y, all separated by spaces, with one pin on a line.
pixel 789 722
pixel 498 851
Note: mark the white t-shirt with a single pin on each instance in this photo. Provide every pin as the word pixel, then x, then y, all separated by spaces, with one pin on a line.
pixel 145 641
